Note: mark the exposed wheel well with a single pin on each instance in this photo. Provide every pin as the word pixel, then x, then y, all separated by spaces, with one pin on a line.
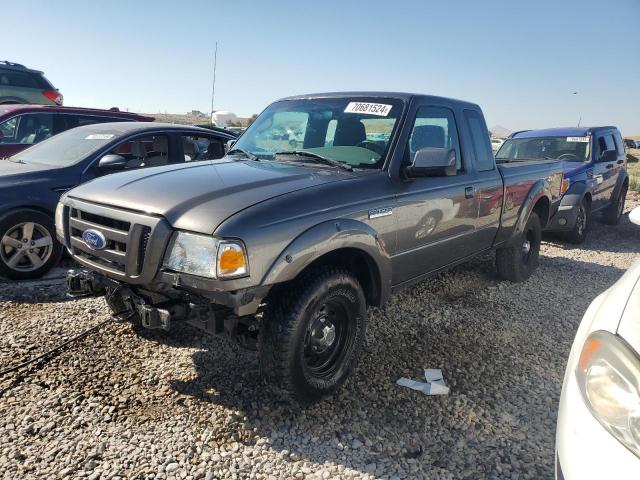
pixel 358 262
pixel 19 208
pixel 542 209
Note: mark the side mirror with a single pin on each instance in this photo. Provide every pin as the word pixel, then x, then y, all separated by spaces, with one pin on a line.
pixel 229 145
pixel 112 163
pixel 609 156
pixel 433 162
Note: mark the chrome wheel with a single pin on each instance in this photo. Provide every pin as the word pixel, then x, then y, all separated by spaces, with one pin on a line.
pixel 26 247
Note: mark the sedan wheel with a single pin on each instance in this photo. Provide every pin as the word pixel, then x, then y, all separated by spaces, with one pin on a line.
pixel 26 247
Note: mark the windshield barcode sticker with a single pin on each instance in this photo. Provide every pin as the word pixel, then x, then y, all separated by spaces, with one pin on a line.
pixel 578 139
pixel 99 136
pixel 379 109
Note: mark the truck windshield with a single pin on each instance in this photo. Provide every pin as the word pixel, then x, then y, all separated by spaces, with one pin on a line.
pixel 66 148
pixel 570 149
pixel 355 131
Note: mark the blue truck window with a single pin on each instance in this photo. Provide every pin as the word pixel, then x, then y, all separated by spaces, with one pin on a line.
pixel 480 137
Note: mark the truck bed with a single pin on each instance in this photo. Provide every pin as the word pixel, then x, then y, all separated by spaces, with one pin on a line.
pixel 519 177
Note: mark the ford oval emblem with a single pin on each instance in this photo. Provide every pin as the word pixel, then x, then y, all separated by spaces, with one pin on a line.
pixel 94 239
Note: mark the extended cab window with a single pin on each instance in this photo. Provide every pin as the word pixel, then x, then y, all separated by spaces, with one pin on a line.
pixel 480 137
pixel 150 151
pixel 434 127
pixel 201 147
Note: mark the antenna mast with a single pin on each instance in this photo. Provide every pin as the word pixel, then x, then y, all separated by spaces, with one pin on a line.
pixel 213 86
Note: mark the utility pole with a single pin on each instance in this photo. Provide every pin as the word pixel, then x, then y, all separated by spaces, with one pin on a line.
pixel 213 86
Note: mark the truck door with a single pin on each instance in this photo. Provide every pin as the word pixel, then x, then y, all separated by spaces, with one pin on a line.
pixel 605 174
pixel 489 187
pixel 436 215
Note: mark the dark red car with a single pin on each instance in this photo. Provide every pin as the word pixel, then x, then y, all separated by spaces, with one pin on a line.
pixel 24 125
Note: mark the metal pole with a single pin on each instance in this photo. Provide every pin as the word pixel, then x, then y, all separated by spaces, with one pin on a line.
pixel 213 86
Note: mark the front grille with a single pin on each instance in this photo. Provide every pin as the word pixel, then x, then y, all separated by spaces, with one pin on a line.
pixel 116 232
pixel 129 238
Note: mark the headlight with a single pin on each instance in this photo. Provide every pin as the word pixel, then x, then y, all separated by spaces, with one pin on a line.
pixel 206 256
pixel 60 220
pixel 608 375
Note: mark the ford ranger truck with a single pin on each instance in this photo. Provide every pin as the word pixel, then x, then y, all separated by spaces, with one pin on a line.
pixel 595 180
pixel 283 247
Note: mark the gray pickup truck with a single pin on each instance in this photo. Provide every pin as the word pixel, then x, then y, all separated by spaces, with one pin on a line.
pixel 283 247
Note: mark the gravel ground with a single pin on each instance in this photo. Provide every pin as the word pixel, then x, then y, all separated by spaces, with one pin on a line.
pixel 125 403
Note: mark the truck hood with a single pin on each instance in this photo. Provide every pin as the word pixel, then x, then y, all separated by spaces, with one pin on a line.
pixel 199 197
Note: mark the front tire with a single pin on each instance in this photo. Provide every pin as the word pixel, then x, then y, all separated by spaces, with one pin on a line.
pixel 517 262
pixel 581 228
pixel 313 333
pixel 28 245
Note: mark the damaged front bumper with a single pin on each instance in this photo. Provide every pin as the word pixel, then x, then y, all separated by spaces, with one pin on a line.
pixel 217 312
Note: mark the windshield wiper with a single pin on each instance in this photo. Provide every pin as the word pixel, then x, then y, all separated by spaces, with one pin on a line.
pixel 316 158
pixel 13 159
pixel 246 153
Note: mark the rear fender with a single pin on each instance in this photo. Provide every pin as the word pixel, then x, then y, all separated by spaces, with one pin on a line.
pixel 328 237
pixel 622 178
pixel 539 190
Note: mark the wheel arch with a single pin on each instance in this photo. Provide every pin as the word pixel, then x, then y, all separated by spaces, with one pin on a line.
pixel 344 243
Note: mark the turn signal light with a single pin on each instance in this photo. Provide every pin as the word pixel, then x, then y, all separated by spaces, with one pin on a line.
pixel 565 186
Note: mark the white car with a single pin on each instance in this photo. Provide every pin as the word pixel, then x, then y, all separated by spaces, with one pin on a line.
pixel 598 433
pixel 496 143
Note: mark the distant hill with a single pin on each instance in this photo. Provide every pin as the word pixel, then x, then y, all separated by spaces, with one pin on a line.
pixel 500 132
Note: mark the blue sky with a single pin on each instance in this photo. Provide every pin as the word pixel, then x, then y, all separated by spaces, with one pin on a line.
pixel 520 60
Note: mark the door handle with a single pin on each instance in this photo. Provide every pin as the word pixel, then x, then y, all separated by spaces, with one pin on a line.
pixel 469 192
pixel 609 165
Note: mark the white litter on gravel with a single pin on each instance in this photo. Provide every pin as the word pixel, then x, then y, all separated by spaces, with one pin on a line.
pixel 433 386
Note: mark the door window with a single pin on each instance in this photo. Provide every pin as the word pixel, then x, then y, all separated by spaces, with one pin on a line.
pixel 480 138
pixel 8 130
pixel 33 128
pixel 605 142
pixel 202 147
pixel 434 127
pixel 150 151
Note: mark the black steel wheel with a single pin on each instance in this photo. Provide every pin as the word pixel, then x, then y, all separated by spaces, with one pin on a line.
pixel 312 334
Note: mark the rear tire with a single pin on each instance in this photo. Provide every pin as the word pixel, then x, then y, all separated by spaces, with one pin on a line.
pixel 312 334
pixel 613 213
pixel 518 262
pixel 581 228
pixel 28 245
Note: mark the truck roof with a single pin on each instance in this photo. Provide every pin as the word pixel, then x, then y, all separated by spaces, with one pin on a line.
pixel 560 132
pixel 404 96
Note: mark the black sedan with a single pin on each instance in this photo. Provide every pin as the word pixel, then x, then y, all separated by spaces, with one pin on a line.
pixel 32 181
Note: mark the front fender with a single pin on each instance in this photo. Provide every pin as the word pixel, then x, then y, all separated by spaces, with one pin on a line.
pixel 573 197
pixel 328 237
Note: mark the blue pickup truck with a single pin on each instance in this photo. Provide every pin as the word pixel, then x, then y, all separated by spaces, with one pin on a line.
pixel 595 179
